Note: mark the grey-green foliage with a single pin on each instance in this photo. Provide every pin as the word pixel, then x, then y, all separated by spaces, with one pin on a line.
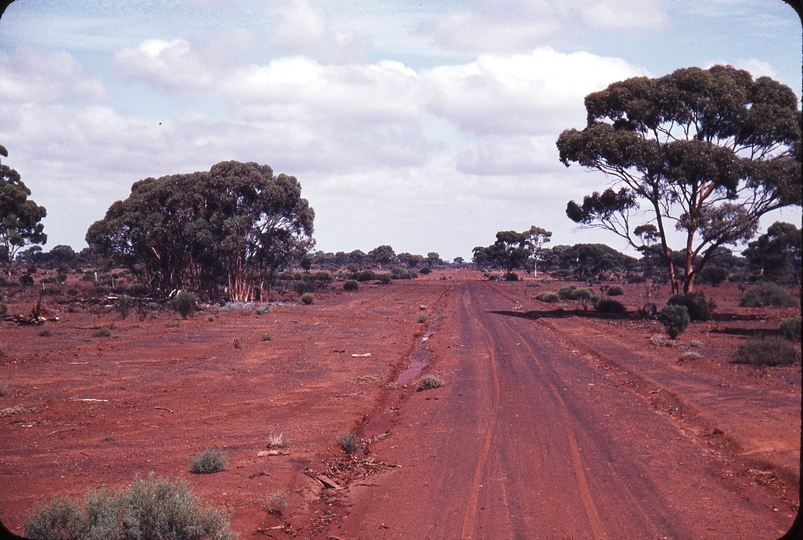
pixel 153 509
pixel 185 302
pixel 209 461
pixel 675 319
pixel 791 328
pixel 768 294
pixel 767 351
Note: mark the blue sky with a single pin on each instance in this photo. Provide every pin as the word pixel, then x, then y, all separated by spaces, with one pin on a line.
pixel 428 126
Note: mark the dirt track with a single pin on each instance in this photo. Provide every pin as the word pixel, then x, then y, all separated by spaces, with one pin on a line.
pixel 551 424
pixel 533 439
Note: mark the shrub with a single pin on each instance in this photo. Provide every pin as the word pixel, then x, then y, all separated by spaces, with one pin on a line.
pixel 428 382
pixel 636 278
pixel 307 298
pixel 26 280
pixel 302 287
pixel 185 302
pixel 426 270
pixel 791 328
pixel 384 279
pixel 698 308
pixel 157 508
pixel 278 441
pixel 767 351
pixel 124 305
pixel 422 318
pixel 209 461
pixel 263 310
pixel 137 289
pixel 565 292
pixel 351 285
pixel 675 319
pixel 3 308
pixel 511 276
pixel 102 332
pixel 615 290
pixel 45 333
pixel 72 291
pixel 275 502
pixel 548 297
pixel 768 294
pixel 610 306
pixel 267 337
pixel 349 442
pixel 713 275
pixel 366 275
pixel 102 290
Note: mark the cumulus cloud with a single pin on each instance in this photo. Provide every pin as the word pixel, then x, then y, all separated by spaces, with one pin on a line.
pixel 172 65
pixel 33 75
pixel 516 26
pixel 305 30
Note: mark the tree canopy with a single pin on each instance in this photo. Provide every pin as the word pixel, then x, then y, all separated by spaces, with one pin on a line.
pixel 513 249
pixel 233 226
pixel 708 151
pixel 776 255
pixel 19 216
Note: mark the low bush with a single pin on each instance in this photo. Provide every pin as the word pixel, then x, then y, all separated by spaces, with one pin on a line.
pixel 72 291
pixel 124 305
pixel 102 332
pixel 263 310
pixel 351 285
pixel 152 509
pixel 102 290
pixel 791 328
pixel 267 337
pixel 3 308
pixel 422 318
pixel 698 308
pixel 349 442
pixel 511 276
pixel 636 278
pixel 302 287
pixel 427 382
pixel 45 333
pixel 26 280
pixel 307 298
pixel 548 297
pixel 713 275
pixel 209 461
pixel 675 319
pixel 426 270
pixel 610 306
pixel 564 292
pixel 384 279
pixel 137 289
pixel 615 290
pixel 767 351
pixel 185 303
pixel 275 502
pixel 768 294
pixel 365 275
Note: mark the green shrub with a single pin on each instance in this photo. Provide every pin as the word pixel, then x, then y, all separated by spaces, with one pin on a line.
pixel 548 297
pixel 422 318
pixel 767 351
pixel 351 285
pixel 428 382
pixel 153 509
pixel 124 305
pixel 791 328
pixel 275 502
pixel 307 298
pixel 713 275
pixel 511 276
pixel 3 309
pixel 72 291
pixel 185 302
pixel 565 292
pixel 137 289
pixel 26 280
pixel 426 270
pixel 768 294
pixel 302 287
pixel 615 290
pixel 366 275
pixel 209 461
pixel 699 309
pixel 102 290
pixel 636 278
pixel 45 333
pixel 263 310
pixel 102 332
pixel 349 442
pixel 384 279
pixel 675 319
pixel 610 306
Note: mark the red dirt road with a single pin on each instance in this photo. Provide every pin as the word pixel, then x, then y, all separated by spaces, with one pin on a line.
pixel 533 439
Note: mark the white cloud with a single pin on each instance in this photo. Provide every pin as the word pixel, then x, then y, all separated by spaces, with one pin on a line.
pixel 33 75
pixel 171 65
pixel 305 30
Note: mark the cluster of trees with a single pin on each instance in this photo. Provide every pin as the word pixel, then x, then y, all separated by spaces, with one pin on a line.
pixel 703 152
pixel 231 228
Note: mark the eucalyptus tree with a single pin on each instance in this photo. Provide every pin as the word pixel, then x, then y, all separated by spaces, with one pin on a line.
pixel 231 227
pixel 19 216
pixel 708 152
